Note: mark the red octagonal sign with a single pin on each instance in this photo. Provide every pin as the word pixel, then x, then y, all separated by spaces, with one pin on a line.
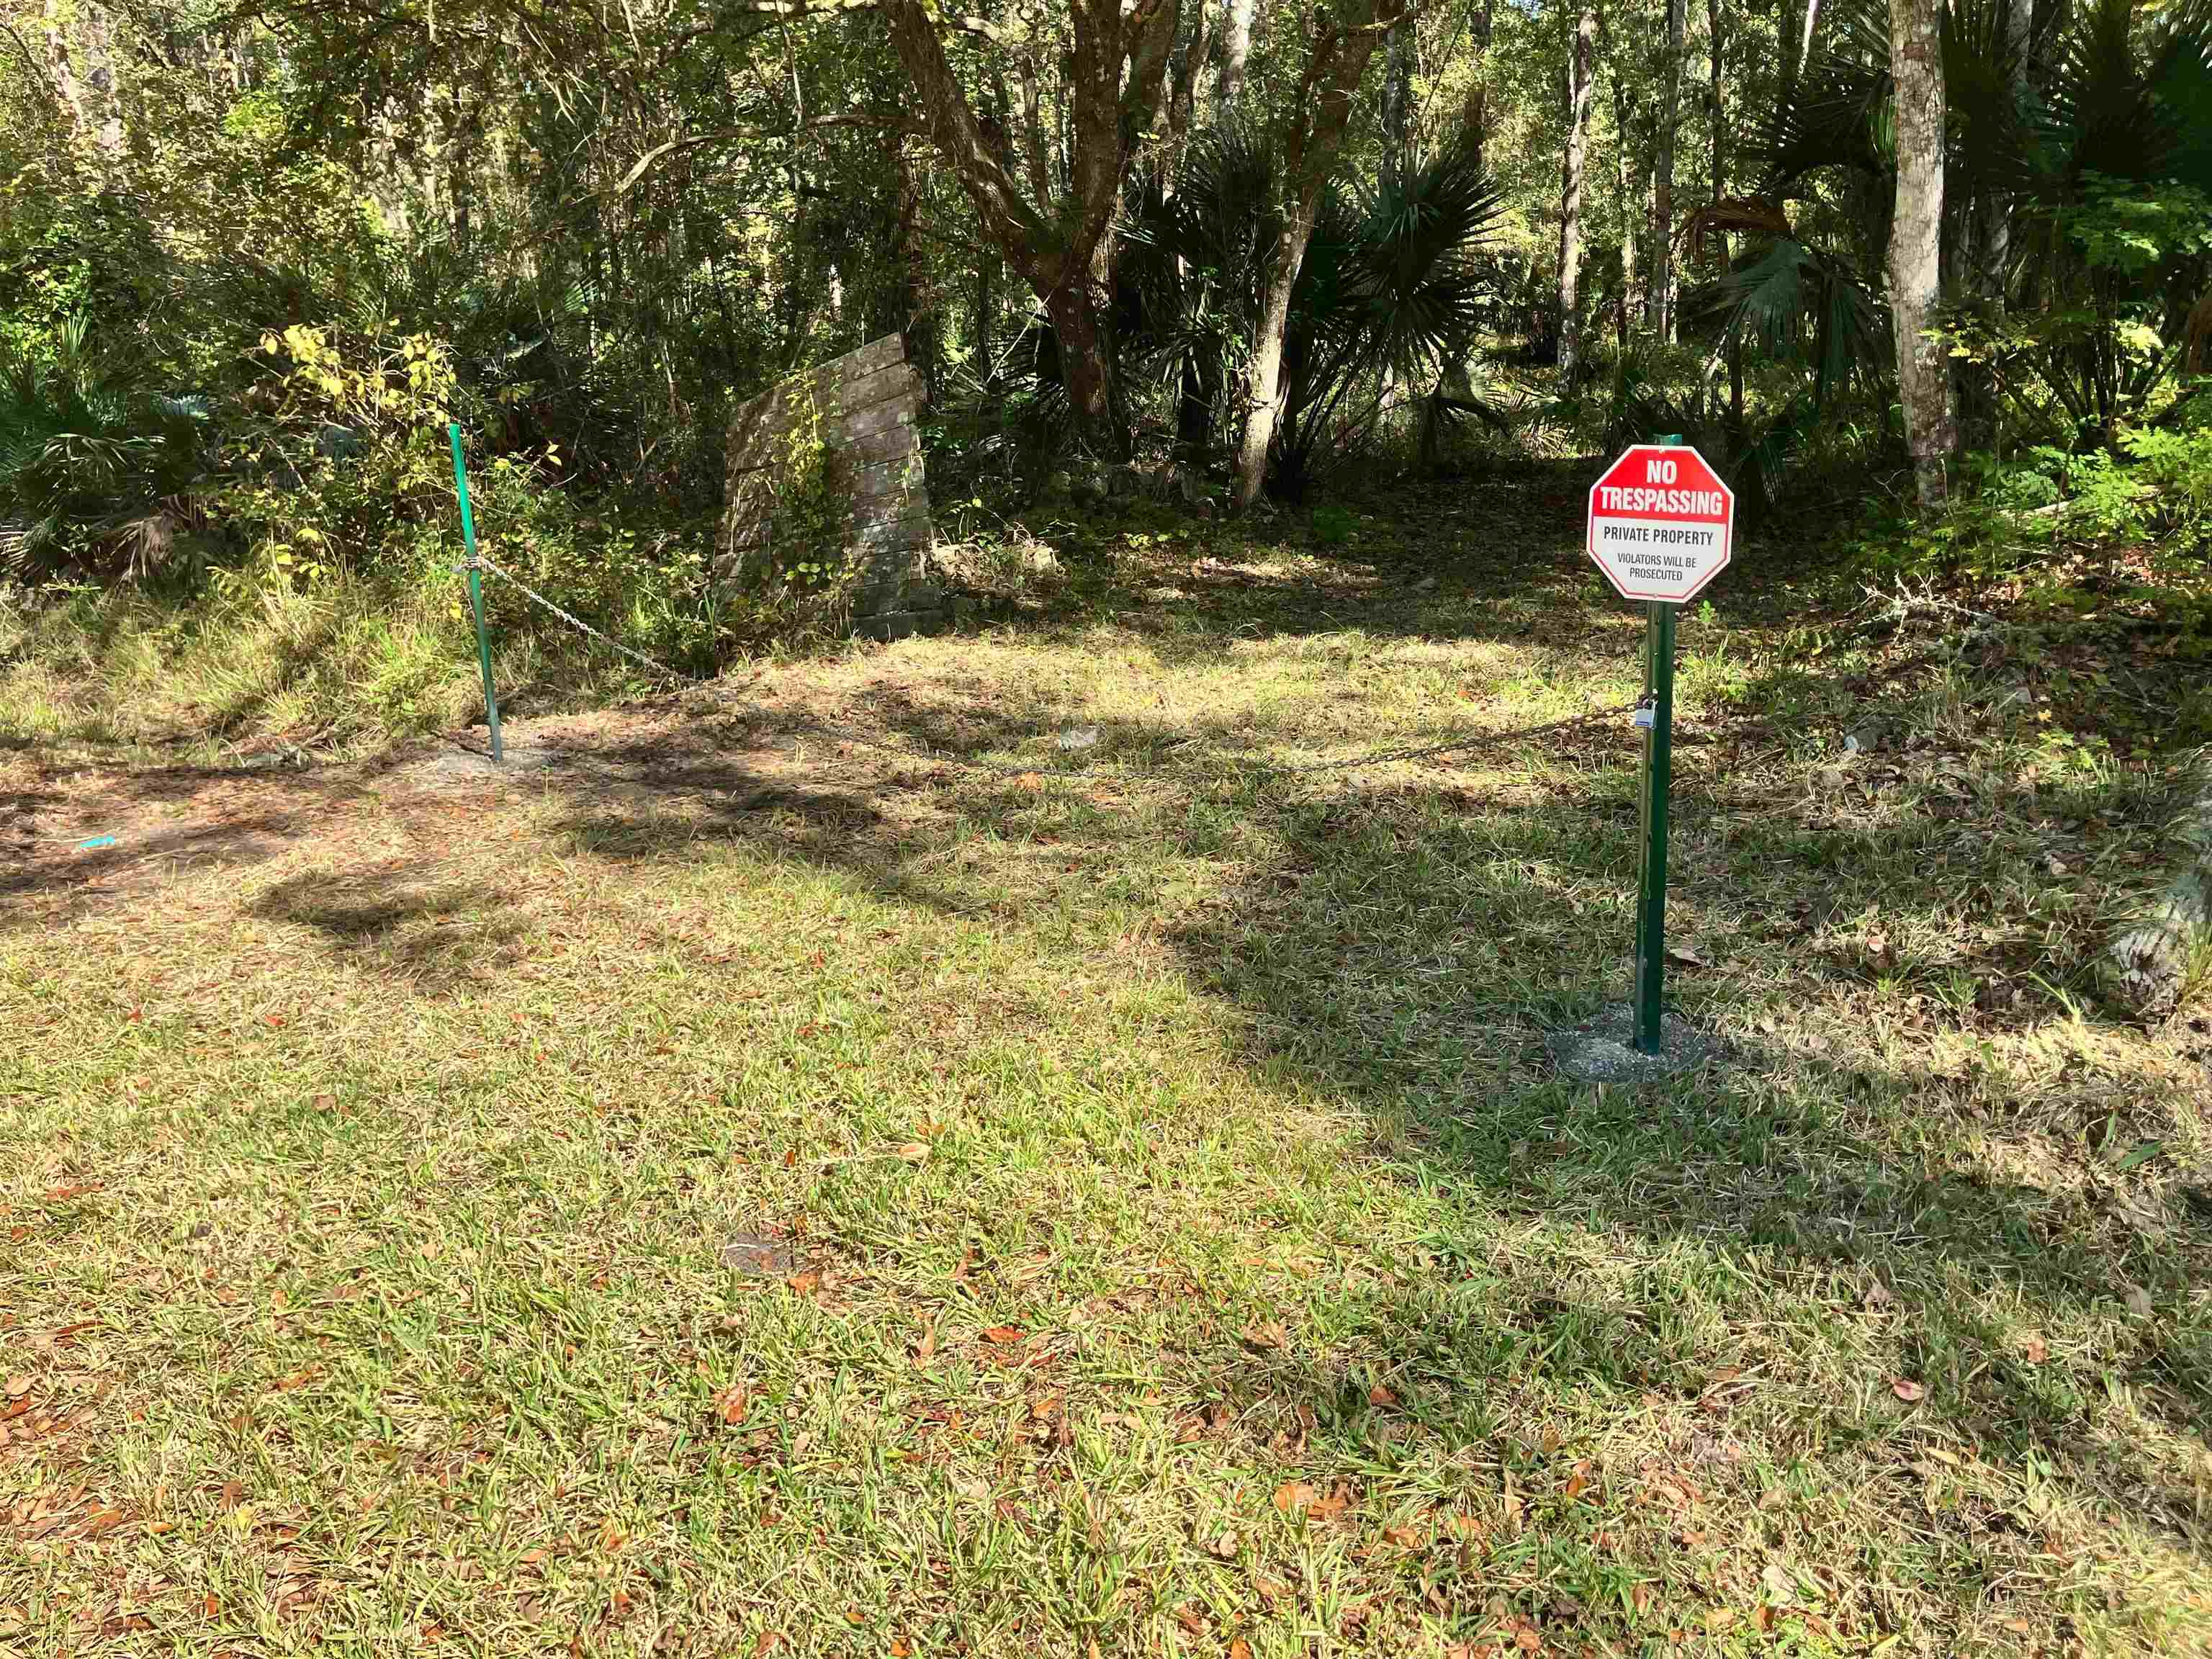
pixel 1661 523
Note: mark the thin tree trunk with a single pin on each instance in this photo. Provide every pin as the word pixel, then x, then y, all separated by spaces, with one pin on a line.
pixel 1397 99
pixel 1662 176
pixel 1916 242
pixel 1581 52
pixel 987 304
pixel 1454 384
pixel 1474 114
pixel 1182 99
pixel 1996 209
pixel 1793 38
pixel 1629 311
pixel 917 320
pixel 1033 142
pixel 1321 111
pixel 1717 58
pixel 1235 49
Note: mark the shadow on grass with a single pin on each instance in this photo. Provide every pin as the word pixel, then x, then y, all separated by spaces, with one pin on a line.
pixel 1406 946
pixel 438 938
pixel 1424 998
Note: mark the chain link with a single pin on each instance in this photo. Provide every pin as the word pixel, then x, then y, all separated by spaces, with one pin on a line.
pixel 1465 744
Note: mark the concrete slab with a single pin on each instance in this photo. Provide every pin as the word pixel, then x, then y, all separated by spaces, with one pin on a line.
pixel 1602 1049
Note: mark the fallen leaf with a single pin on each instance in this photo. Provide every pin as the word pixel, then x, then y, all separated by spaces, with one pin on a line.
pixel 925 1345
pixel 1380 1396
pixel 1003 1333
pixel 1338 1497
pixel 1270 1590
pixel 1271 1333
pixel 1404 1537
pixel 806 1282
pixel 1293 1497
pixel 18 1386
pixel 210 1602
pixel 731 1404
pixel 914 1151
pixel 1224 1548
pixel 1906 1389
pixel 2033 1348
pixel 1191 1618
pixel 1240 1649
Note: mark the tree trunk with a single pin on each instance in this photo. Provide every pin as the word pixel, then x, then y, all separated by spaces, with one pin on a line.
pixel 1792 38
pixel 1581 50
pixel 987 305
pixel 1033 149
pixel 1716 58
pixel 1997 207
pixel 917 309
pixel 1236 48
pixel 1063 248
pixel 1629 311
pixel 1398 99
pixel 1454 384
pixel 1085 365
pixel 1318 115
pixel 1662 176
pixel 1475 114
pixel 1916 242
pixel 1182 99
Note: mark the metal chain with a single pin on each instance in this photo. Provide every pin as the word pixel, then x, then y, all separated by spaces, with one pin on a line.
pixel 580 625
pixel 927 755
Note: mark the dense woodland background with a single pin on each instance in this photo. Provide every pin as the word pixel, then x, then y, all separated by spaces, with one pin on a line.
pixel 1218 251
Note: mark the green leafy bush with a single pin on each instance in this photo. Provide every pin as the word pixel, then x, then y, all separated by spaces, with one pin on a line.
pixel 98 469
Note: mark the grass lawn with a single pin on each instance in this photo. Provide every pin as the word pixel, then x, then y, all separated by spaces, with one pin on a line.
pixel 731 1193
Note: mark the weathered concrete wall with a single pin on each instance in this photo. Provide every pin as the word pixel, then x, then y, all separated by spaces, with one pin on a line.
pixel 867 402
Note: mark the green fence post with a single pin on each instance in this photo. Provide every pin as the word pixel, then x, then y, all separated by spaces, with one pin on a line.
pixel 476 592
pixel 1658 770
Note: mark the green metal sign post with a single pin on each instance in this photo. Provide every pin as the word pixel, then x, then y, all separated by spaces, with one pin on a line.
pixel 1658 770
pixel 476 592
pixel 1660 526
